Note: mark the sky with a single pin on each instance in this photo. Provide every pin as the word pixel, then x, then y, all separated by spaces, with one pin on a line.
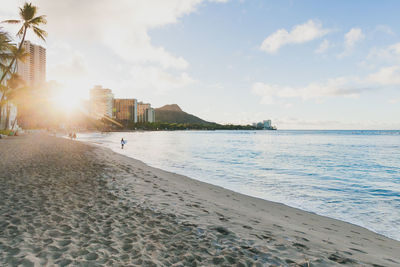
pixel 304 64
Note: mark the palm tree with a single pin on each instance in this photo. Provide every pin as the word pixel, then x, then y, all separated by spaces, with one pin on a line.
pixel 5 46
pixel 28 20
pixel 5 57
pixel 8 89
pixel 13 90
pixel 19 55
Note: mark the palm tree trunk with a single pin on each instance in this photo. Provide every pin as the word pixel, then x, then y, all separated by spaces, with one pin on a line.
pixel 15 122
pixel 7 117
pixel 1 111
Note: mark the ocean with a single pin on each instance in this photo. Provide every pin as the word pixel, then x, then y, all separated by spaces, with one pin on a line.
pixel 353 176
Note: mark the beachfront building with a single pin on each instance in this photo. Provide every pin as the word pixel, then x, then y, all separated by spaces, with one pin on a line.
pixel 145 112
pixel 101 102
pixel 150 115
pixel 125 109
pixel 267 124
pixel 33 69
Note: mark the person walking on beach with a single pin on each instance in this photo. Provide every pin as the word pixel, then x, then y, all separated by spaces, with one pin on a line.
pixel 122 143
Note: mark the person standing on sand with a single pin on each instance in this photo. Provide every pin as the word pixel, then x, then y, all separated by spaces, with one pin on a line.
pixel 122 143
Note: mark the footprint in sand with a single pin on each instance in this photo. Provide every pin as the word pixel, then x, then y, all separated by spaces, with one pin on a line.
pixel 358 250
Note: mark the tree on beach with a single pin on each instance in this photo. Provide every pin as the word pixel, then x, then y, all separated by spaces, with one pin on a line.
pixel 10 54
pixel 29 20
pixel 5 57
pixel 12 87
pixel 13 90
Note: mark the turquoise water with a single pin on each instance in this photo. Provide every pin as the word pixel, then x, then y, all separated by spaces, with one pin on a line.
pixel 353 176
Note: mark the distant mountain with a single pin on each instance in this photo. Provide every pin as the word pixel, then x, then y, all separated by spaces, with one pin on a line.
pixel 174 114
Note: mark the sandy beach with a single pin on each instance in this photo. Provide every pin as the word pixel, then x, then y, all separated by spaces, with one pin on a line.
pixel 67 203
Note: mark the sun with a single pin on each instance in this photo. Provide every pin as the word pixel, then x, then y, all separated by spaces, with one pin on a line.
pixel 66 100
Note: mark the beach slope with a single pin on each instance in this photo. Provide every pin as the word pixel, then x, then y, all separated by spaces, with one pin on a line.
pixel 68 203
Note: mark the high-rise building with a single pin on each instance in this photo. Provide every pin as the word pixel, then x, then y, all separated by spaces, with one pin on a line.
pixel 125 109
pixel 150 115
pixel 33 69
pixel 141 110
pixel 145 113
pixel 267 123
pixel 101 102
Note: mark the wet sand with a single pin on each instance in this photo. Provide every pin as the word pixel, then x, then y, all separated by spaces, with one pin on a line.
pixel 66 203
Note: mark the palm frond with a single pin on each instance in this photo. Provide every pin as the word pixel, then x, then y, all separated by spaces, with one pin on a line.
pixel 5 57
pixel 11 21
pixel 38 20
pixel 5 41
pixel 21 31
pixel 19 54
pixel 5 49
pixel 3 67
pixel 42 34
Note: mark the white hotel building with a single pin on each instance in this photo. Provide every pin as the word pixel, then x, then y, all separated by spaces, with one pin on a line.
pixel 101 102
pixel 33 70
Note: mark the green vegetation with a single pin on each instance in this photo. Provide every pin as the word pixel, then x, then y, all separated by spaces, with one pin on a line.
pixel 6 132
pixel 172 118
pixel 162 126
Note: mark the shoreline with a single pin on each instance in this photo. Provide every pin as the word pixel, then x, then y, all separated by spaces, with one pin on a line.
pixel 277 204
pixel 99 145
pixel 334 191
pixel 233 191
pixel 232 228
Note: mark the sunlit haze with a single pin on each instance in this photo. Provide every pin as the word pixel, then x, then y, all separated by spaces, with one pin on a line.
pixel 67 100
pixel 303 64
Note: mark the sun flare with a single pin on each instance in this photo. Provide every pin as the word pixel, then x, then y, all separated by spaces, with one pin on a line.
pixel 66 100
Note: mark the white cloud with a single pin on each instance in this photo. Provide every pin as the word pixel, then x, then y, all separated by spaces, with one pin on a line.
pixel 299 34
pixel 341 86
pixel 158 80
pixel 123 27
pixel 117 33
pixel 325 44
pixel 296 123
pixel 384 29
pixel 386 76
pixel 390 53
pixel 217 86
pixel 394 101
pixel 352 37
pixel 348 86
pixel 395 49
pixel 75 66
